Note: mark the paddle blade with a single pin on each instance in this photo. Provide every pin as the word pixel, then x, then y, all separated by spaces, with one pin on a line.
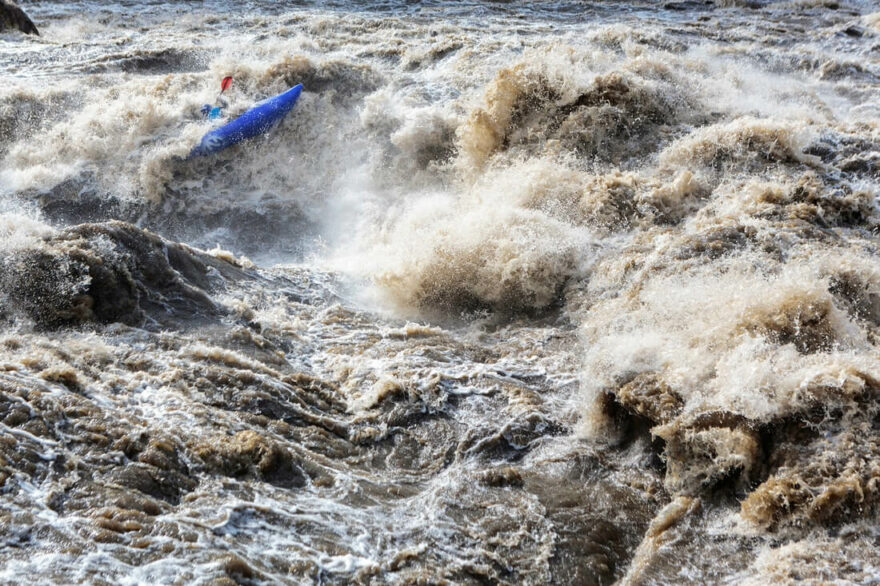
pixel 224 85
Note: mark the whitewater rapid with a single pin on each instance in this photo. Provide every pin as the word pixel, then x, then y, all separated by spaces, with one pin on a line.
pixel 518 293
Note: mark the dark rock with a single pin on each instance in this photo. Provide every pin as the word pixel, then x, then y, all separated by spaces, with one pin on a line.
pixel 11 16
pixel 112 272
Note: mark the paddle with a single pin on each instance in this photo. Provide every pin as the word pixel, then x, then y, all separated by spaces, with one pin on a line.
pixel 224 85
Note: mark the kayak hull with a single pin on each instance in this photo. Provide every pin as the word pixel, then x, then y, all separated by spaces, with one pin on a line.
pixel 258 119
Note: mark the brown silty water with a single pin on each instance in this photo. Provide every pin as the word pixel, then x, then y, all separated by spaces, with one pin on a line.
pixel 517 294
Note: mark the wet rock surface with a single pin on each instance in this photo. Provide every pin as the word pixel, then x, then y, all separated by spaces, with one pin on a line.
pixel 13 17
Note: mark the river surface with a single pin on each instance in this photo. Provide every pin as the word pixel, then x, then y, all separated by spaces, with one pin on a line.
pixel 519 293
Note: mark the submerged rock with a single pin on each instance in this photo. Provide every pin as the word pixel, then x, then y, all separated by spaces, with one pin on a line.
pixel 249 454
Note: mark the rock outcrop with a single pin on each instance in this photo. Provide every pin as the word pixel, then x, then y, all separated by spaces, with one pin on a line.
pixel 11 16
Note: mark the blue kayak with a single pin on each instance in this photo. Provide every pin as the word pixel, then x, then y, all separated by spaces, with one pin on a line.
pixel 257 120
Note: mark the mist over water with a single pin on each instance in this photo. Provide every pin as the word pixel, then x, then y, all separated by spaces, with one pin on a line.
pixel 518 293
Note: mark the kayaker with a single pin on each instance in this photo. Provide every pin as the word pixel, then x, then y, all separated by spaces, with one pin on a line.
pixel 213 112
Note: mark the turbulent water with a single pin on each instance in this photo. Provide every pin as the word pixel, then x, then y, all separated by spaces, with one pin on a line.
pixel 519 293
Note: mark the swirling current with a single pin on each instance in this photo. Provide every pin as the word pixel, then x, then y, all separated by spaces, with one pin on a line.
pixel 519 293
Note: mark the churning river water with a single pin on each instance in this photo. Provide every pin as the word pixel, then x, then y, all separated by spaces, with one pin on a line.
pixel 518 293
